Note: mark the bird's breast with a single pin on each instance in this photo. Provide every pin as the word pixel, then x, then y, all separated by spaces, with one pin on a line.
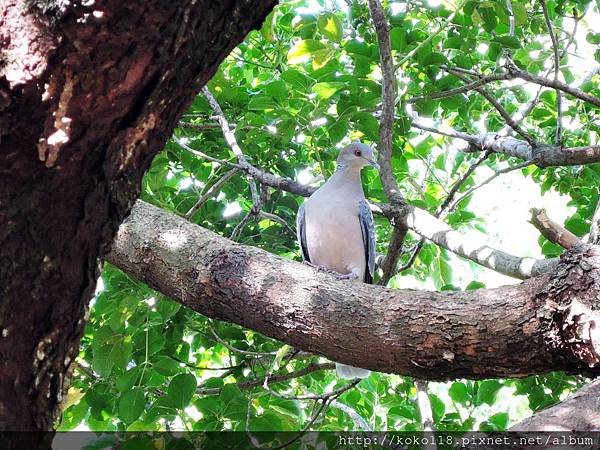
pixel 334 237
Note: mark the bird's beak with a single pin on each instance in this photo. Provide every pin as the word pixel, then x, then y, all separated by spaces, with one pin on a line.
pixel 373 163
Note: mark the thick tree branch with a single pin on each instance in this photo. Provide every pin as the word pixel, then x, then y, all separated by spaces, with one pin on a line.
pixel 532 327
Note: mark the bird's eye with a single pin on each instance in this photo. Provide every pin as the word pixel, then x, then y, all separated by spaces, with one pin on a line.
pixel 358 153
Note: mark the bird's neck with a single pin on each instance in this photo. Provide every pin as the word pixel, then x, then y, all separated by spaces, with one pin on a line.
pixel 348 177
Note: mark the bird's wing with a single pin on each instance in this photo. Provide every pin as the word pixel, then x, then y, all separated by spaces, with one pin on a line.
pixel 367 226
pixel 301 233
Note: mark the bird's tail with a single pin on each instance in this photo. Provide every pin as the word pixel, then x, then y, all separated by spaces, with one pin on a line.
pixel 350 372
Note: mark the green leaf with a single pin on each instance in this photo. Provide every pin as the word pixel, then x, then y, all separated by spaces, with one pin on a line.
pixel 278 90
pixel 508 41
pixel 326 89
pixel 261 103
pixel 330 26
pixel 112 355
pixel 487 391
pixel 303 50
pixel 434 58
pixel 368 124
pixel 459 393
pixel 167 308
pixel 489 17
pixel 181 389
pixel 437 407
pixel 338 131
pixel 500 420
pixel 267 27
pixel 165 365
pixel 398 38
pixel 454 42
pixel 131 404
pixel 473 285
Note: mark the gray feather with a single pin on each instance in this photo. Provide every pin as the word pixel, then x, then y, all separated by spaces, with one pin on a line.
pixel 301 233
pixel 367 225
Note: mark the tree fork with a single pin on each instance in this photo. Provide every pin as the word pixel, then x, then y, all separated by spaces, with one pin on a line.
pixel 543 324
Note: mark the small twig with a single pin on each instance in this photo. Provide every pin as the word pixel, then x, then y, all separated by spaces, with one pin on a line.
pixel 211 191
pixel 251 384
pixel 358 420
pixel 241 225
pixel 427 41
pixel 555 84
pixel 594 237
pixel 279 220
pixel 556 51
pixel 315 416
pixel 204 155
pixel 522 113
pixel 237 350
pixel 424 406
pixel 591 74
pixel 333 394
pixel 551 230
pixel 192 366
pixel 495 175
pixel 233 144
pixel 460 182
pixel 511 18
pixel 198 126
pixel 465 88
pixel 496 104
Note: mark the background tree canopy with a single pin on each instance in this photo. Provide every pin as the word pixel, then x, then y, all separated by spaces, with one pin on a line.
pixel 307 83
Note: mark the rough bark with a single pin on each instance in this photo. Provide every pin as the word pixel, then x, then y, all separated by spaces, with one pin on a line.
pixel 89 92
pixel 545 323
pixel 551 230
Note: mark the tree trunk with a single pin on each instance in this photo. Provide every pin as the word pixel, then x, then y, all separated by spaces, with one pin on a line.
pixel 543 324
pixel 88 95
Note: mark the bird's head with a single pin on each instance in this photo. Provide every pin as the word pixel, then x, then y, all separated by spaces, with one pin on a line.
pixel 356 156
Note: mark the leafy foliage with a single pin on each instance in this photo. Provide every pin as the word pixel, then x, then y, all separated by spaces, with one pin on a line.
pixel 306 83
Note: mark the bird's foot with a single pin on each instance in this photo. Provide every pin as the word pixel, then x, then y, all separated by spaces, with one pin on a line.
pixel 347 276
pixel 318 267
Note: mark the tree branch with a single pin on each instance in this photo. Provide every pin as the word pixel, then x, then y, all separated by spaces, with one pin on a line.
pixel 211 191
pixel 277 378
pixel 472 246
pixel 556 51
pixel 386 127
pixel 505 332
pixel 555 84
pixel 551 230
pixel 541 155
